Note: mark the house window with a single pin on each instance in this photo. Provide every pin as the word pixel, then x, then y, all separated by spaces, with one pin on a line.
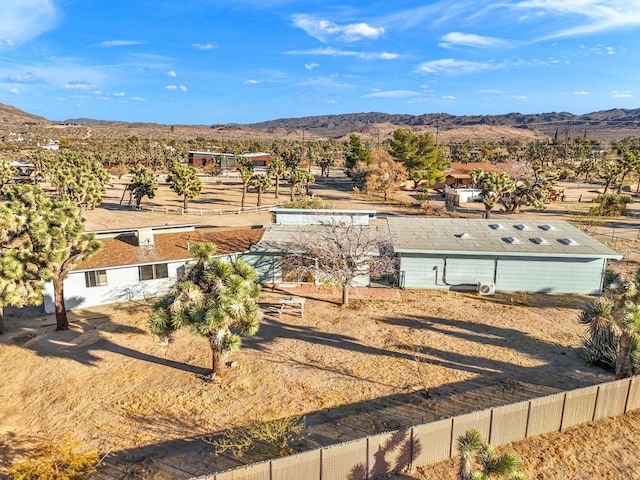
pixel 150 272
pixel 95 278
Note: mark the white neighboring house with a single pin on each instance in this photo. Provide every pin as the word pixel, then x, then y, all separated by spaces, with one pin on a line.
pixel 136 264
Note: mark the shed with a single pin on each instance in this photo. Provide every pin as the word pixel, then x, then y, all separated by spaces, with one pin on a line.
pixel 543 256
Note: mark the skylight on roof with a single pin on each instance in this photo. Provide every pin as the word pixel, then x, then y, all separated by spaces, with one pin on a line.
pixel 539 241
pixel 569 241
pixel 521 226
pixel 496 226
pixel 547 228
pixel 512 240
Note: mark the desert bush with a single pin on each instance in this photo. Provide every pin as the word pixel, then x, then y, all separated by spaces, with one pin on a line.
pixel 610 205
pixel 431 210
pixel 56 459
pixel 306 201
pixel 118 170
pixel 261 438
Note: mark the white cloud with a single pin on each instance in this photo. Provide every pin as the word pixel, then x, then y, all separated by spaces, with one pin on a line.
pixel 518 97
pixel 593 15
pixel 119 94
pixel 325 30
pixel 451 66
pixel 23 20
pixel 24 78
pixel 581 92
pixel 471 40
pixel 448 97
pixel 77 86
pixel 172 74
pixel 175 88
pixel 331 102
pixel 120 43
pixel 252 82
pixel 204 46
pixel 332 52
pixel 388 56
pixel 394 94
pixel 14 91
pixel 138 99
pixel 311 66
pixel 623 94
pixel 325 82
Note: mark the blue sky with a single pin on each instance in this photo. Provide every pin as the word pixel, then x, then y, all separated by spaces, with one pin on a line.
pixel 216 61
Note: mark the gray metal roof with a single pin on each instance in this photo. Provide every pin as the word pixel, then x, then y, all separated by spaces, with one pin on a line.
pixel 473 236
pixel 279 238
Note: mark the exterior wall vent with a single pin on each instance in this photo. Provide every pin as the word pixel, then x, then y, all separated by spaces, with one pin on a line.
pixel 547 227
pixel 512 240
pixel 496 226
pixel 539 241
pixel 521 226
pixel 569 241
pixel 463 235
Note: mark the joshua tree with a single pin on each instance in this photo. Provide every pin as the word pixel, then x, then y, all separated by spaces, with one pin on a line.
pixel 183 180
pixel 246 173
pixel 52 238
pixel 216 300
pixel 143 184
pixel 277 169
pixel 261 182
pixel 474 450
pixel 614 325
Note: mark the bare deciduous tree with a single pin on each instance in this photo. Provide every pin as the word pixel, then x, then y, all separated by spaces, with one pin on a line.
pixel 340 252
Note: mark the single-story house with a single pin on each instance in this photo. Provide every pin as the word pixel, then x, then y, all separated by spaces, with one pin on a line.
pixel 141 263
pixel 289 226
pixel 459 174
pixel 222 161
pixel 544 256
pixel 257 159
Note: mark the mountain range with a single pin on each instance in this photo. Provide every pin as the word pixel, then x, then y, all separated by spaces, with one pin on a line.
pixel 604 125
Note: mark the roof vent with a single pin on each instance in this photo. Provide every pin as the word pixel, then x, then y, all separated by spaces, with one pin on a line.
pixel 512 240
pixel 463 235
pixel 496 226
pixel 547 227
pixel 521 226
pixel 569 241
pixel 539 241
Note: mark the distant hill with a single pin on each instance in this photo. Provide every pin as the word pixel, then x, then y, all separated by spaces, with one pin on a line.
pixel 619 120
pixel 15 116
pixel 603 125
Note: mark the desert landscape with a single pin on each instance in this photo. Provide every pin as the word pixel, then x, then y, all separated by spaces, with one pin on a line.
pixel 391 359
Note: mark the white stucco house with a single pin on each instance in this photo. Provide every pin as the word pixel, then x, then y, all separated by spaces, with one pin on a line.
pixel 141 263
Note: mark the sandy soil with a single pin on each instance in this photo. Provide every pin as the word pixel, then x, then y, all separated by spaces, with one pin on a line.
pixel 373 367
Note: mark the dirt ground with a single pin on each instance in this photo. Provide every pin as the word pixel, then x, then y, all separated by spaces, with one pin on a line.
pixel 375 366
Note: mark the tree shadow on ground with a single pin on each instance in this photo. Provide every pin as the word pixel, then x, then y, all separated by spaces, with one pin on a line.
pixel 85 339
pixel 493 382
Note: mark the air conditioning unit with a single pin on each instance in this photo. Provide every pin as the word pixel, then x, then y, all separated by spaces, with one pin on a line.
pixel 486 288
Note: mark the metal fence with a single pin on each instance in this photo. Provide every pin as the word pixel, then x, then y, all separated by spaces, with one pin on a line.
pixel 399 451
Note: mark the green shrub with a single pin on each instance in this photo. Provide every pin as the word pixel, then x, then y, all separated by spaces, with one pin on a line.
pixel 610 205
